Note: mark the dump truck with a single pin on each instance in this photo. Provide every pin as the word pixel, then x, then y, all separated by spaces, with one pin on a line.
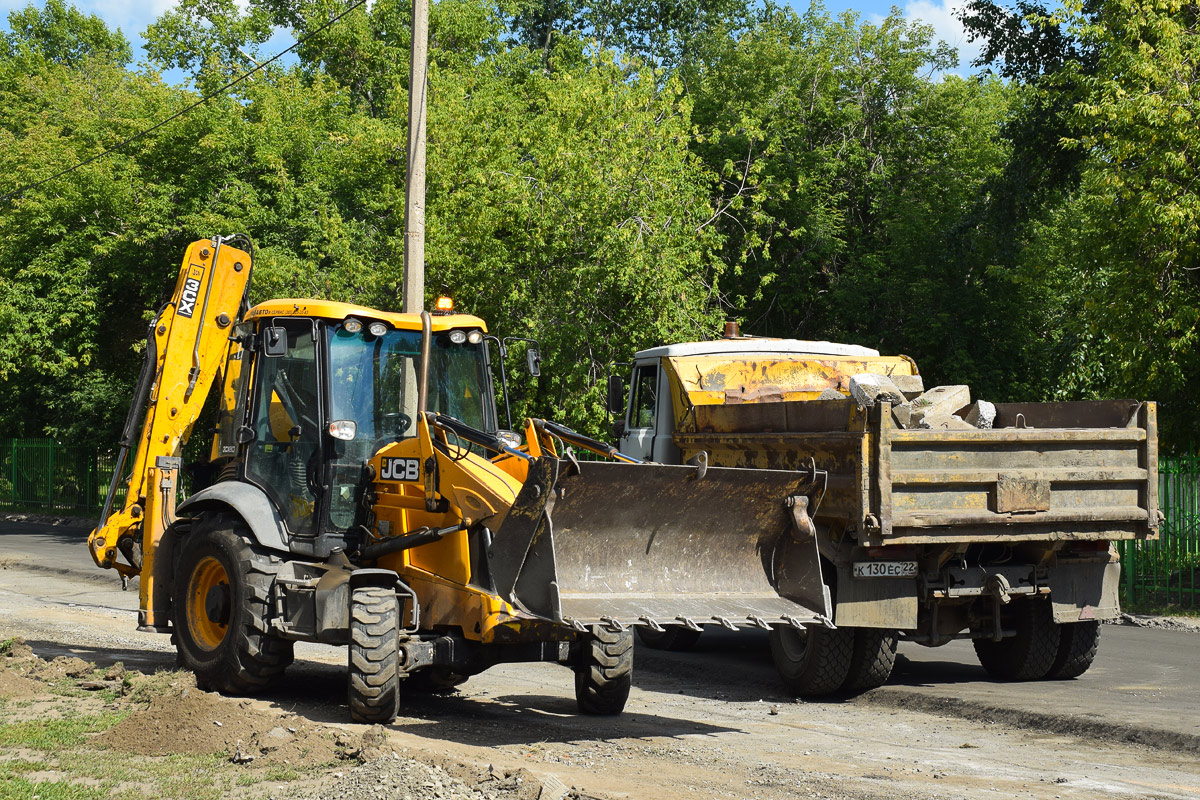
pixel 942 518
pixel 361 493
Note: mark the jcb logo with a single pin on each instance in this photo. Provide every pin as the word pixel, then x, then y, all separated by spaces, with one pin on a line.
pixel 401 469
pixel 191 290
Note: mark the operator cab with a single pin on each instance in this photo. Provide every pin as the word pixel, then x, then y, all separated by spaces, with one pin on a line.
pixel 320 387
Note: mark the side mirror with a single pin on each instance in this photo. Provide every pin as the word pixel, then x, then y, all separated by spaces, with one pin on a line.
pixel 274 341
pixel 616 395
pixel 533 360
pixel 617 430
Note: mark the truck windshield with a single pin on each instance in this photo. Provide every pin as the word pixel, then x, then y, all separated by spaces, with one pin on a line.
pixel 373 381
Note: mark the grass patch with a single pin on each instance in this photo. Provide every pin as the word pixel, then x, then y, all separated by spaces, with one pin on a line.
pixel 22 789
pixel 56 734
pixel 18 766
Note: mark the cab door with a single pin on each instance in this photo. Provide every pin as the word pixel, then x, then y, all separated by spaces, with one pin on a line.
pixel 642 413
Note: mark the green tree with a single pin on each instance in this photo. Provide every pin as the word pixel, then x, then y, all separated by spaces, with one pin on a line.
pixel 1123 248
pixel 61 34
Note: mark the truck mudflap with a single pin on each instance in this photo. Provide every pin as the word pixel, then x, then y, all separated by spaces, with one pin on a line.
pixel 647 544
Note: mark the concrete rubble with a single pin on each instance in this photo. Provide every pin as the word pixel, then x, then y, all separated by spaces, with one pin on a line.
pixel 912 407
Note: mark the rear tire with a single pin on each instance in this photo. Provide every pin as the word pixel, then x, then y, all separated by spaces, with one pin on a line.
pixel 1032 652
pixel 872 659
pixel 220 605
pixel 604 673
pixel 1076 650
pixel 814 662
pixel 374 668
pixel 676 638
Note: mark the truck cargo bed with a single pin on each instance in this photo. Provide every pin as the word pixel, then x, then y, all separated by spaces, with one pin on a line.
pixel 1045 472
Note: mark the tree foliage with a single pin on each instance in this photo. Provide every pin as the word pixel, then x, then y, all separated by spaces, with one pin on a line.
pixel 607 177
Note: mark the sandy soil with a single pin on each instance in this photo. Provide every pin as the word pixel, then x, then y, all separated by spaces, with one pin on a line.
pixel 513 734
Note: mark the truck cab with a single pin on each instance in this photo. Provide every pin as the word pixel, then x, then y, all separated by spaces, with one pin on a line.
pixel 668 382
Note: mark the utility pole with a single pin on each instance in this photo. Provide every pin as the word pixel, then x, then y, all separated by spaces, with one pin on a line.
pixel 414 192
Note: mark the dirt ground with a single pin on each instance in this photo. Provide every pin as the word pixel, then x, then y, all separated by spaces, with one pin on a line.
pixel 512 733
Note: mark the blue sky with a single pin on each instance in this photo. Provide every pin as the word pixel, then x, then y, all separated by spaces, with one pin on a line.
pixel 132 17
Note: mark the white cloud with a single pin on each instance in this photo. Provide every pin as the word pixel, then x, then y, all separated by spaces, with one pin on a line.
pixel 940 15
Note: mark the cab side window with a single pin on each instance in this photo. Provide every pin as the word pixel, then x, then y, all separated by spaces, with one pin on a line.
pixel 645 397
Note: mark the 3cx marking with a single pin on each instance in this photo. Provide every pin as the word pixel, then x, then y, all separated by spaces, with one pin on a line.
pixel 400 469
pixel 191 290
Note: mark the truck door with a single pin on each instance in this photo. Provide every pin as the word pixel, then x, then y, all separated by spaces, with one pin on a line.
pixel 640 418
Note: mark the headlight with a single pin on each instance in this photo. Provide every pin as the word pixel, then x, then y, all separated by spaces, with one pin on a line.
pixel 510 438
pixel 377 329
pixel 352 325
pixel 475 337
pixel 458 337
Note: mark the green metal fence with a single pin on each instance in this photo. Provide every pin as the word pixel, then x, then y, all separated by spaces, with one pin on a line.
pixel 1166 572
pixel 48 477
pixel 43 476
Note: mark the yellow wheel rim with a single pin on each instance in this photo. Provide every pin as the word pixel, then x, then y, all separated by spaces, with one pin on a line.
pixel 207 617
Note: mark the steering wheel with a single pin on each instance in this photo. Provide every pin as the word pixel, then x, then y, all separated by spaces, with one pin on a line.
pixel 395 423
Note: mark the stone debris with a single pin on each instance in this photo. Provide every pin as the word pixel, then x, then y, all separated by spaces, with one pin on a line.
pixel 831 394
pixel 946 422
pixel 937 409
pixel 937 402
pixel 911 386
pixel 400 777
pixel 868 389
pixel 982 415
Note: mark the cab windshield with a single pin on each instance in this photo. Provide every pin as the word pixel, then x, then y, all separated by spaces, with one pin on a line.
pixel 373 381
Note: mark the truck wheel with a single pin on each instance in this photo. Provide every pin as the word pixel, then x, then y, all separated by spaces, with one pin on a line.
pixel 374 669
pixel 814 662
pixel 674 637
pixel 871 660
pixel 1029 655
pixel 604 672
pixel 220 604
pixel 1076 649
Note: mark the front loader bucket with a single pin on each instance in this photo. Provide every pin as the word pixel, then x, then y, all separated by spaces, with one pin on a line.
pixel 648 544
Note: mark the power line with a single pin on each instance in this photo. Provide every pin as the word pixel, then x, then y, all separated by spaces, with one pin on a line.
pixel 178 114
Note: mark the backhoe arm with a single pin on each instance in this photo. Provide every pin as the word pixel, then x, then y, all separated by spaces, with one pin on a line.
pixel 188 343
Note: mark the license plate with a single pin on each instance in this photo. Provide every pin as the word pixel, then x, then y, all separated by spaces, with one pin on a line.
pixel 885 569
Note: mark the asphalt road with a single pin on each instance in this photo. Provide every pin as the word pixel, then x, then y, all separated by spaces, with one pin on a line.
pixel 1143 680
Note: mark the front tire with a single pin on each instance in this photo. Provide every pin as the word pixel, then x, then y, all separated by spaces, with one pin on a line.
pixel 1031 653
pixel 675 638
pixel 604 673
pixel 814 662
pixel 220 605
pixel 374 665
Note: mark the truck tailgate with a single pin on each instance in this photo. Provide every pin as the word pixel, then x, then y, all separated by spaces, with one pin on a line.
pixel 1027 483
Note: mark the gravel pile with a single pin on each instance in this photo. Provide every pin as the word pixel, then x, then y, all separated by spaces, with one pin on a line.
pixel 1163 623
pixel 399 777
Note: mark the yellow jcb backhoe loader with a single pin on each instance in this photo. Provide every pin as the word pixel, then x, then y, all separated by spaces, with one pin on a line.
pixel 365 495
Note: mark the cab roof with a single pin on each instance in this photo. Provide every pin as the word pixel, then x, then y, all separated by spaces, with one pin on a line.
pixel 328 309
pixel 753 345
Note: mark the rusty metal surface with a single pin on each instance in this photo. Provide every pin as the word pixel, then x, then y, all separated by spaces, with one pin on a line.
pixel 893 485
pixel 732 380
pixel 641 543
pixel 1081 414
pixel 1018 493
